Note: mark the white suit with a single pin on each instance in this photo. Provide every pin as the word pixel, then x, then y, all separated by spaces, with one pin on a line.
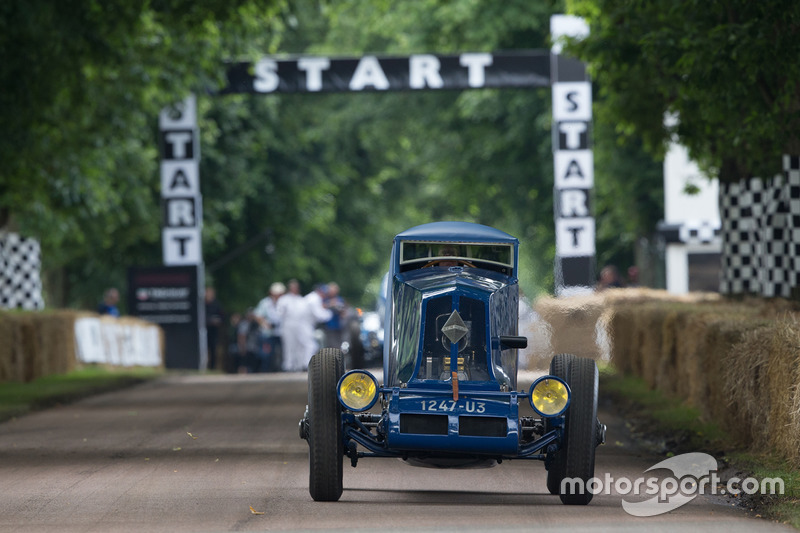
pixel 299 316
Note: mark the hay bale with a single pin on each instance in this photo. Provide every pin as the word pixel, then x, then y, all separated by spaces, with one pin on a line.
pixel 737 362
pixel 784 376
pixel 28 352
pixel 667 373
pixel 723 334
pixel 44 327
pixel 794 424
pixel 36 344
pixel 539 351
pixel 623 339
pixel 687 331
pixel 56 331
pixel 748 389
pixel 17 351
pixel 572 322
pixel 6 347
pixel 650 322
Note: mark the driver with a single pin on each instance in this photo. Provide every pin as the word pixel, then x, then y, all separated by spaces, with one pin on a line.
pixel 450 251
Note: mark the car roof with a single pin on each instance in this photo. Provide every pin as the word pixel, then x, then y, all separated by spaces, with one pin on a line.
pixel 456 232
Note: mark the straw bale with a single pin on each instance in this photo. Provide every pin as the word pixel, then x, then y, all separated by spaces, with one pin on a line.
pixel 617 297
pixel 603 334
pixel 572 321
pixel 723 333
pixel 43 327
pixel 688 331
pixel 17 354
pixel 738 362
pixel 6 347
pixel 648 321
pixel 667 376
pixel 794 434
pixel 748 387
pixel 56 333
pixel 28 353
pixel 784 377
pixel 623 338
pixel 539 351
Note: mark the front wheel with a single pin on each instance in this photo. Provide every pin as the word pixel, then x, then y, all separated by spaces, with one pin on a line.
pixel 580 432
pixel 559 367
pixel 325 447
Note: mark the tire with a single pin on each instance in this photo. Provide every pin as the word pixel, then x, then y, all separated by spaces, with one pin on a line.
pixel 559 367
pixel 580 429
pixel 325 446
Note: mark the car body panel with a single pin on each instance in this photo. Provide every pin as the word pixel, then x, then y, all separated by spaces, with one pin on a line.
pixel 449 394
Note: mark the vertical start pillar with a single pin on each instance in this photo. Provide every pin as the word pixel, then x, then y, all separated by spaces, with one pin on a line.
pixel 573 162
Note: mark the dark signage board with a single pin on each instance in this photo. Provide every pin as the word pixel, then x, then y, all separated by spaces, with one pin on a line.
pixel 170 296
pixel 310 74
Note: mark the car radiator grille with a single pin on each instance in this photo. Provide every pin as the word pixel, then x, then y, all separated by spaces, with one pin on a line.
pixel 468 426
pixel 482 426
pixel 423 424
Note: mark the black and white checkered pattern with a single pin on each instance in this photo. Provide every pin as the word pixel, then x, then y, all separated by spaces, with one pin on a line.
pixel 761 234
pixel 20 282
pixel 700 232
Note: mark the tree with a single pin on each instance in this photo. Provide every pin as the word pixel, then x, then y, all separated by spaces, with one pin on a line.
pixel 728 70
pixel 83 81
pixel 305 186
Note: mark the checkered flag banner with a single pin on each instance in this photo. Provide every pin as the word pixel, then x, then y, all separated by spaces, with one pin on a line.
pixel 761 234
pixel 20 282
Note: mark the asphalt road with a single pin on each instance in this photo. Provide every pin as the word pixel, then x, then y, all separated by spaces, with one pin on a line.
pixel 194 453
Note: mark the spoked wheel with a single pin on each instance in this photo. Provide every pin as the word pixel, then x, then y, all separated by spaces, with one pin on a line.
pixel 325 447
pixel 559 367
pixel 580 429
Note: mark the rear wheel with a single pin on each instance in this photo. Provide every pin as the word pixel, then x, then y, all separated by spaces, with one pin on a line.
pixel 559 367
pixel 580 429
pixel 325 447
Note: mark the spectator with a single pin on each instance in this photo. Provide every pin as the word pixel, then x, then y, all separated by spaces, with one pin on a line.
pixel 299 316
pixel 109 304
pixel 609 278
pixel 270 321
pixel 248 343
pixel 333 327
pixel 633 276
pixel 214 319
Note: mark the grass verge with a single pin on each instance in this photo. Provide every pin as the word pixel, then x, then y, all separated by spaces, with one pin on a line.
pixel 17 399
pixel 669 426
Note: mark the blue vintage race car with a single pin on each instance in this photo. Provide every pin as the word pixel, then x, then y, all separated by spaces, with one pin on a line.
pixel 449 397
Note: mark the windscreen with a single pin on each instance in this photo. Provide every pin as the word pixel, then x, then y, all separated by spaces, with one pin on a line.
pixel 490 256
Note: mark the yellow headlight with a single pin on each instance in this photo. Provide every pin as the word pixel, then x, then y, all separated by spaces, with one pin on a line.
pixel 358 391
pixel 549 396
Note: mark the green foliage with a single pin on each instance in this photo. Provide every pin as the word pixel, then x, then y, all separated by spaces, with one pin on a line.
pixel 306 186
pixel 629 196
pixel 339 175
pixel 83 81
pixel 728 70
